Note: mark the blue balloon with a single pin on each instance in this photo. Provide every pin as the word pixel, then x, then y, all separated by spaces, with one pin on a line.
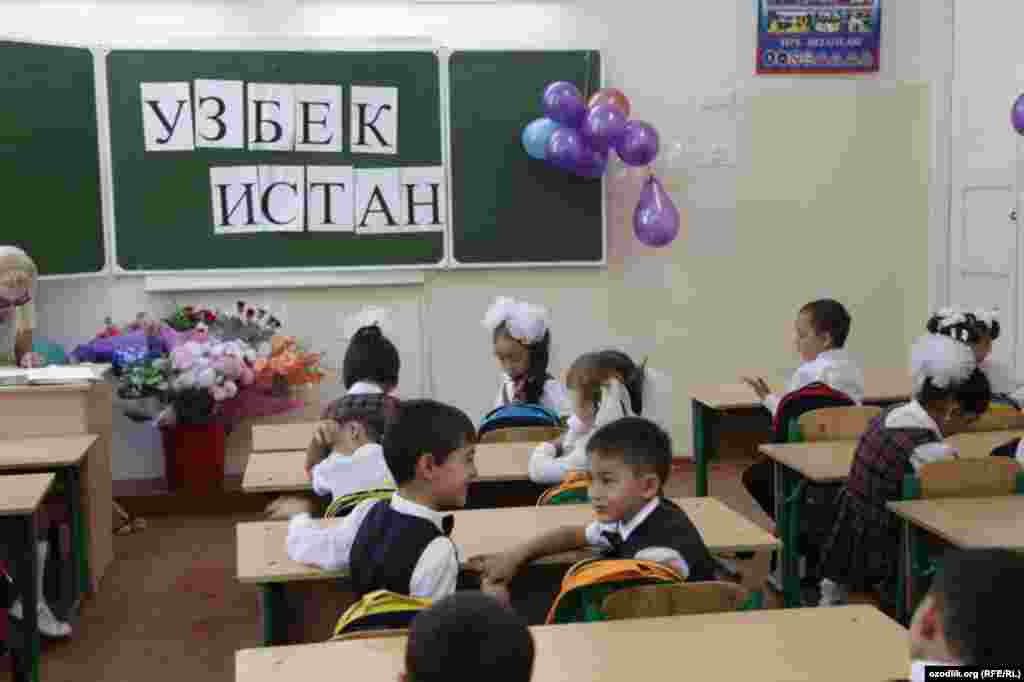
pixel 536 136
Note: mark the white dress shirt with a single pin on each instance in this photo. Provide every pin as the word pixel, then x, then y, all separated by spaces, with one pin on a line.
pixel 364 388
pixel 914 416
pixel 555 397
pixel 365 469
pixel 546 467
pixel 329 547
pixel 834 368
pixel 662 555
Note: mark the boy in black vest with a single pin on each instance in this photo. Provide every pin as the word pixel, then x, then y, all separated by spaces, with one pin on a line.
pixel 402 544
pixel 630 461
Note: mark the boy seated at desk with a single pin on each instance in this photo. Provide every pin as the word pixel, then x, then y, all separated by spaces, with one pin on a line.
pixel 630 461
pixel 345 455
pixel 468 636
pixel 966 617
pixel 402 544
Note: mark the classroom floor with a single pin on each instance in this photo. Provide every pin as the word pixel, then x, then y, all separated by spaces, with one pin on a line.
pixel 171 609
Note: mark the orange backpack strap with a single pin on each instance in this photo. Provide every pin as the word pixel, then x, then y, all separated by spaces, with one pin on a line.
pixel 574 482
pixel 591 572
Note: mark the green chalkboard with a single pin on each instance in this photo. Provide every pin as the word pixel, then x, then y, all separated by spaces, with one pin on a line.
pixel 49 157
pixel 509 208
pixel 162 204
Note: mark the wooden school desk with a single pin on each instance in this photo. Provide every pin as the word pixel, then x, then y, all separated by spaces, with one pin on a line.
pixel 779 644
pixel 282 437
pixel 263 554
pixel 822 462
pixel 72 410
pixel 711 403
pixel 968 523
pixel 20 497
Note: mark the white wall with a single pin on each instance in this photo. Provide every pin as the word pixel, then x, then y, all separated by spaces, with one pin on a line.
pixel 667 57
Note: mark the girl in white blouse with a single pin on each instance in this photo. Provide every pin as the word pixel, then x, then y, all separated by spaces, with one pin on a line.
pixel 522 345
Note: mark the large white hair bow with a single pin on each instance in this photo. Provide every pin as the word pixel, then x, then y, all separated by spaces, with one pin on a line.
pixel 367 317
pixel 525 322
pixel 941 359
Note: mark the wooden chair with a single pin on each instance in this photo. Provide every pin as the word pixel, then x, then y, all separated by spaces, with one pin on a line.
pixel 682 599
pixel 837 423
pixel 522 434
pixel 998 418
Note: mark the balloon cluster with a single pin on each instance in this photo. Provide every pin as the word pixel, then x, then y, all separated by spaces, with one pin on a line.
pixel 578 137
pixel 1017 115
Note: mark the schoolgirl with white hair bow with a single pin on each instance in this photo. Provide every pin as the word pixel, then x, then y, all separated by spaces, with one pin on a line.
pixel 522 344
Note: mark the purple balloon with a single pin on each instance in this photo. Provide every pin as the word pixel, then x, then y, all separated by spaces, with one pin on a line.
pixel 638 145
pixel 592 163
pixel 656 219
pixel 1017 115
pixel 564 149
pixel 564 103
pixel 604 126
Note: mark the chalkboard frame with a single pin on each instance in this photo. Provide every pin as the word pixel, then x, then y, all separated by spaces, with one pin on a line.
pixel 453 226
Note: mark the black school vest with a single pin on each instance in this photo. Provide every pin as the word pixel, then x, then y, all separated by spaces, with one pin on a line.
pixel 669 526
pixel 387 548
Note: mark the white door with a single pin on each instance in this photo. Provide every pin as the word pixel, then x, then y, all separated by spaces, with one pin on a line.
pixel 984 256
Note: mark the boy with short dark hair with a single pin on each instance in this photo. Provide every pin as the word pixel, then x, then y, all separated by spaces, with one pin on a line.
pixel 402 544
pixel 468 636
pixel 630 462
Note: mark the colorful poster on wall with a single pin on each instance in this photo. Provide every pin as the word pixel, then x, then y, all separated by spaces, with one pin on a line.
pixel 818 36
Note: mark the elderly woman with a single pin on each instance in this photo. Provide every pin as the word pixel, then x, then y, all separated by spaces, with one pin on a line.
pixel 17 312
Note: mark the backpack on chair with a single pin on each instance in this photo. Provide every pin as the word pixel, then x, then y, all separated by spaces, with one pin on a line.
pixel 380 610
pixel 343 506
pixel 518 414
pixel 588 582
pixel 574 489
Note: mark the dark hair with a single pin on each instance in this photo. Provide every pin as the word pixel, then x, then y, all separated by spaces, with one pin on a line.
pixel 977 592
pixel 973 395
pixel 538 356
pixel 375 411
pixel 424 427
pixel 590 370
pixel 470 636
pixel 829 316
pixel 370 356
pixel 970 331
pixel 642 444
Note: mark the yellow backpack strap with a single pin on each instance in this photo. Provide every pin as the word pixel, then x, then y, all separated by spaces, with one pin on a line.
pixel 574 480
pixel 379 602
pixel 348 502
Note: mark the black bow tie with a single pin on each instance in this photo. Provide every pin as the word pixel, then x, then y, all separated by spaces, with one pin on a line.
pixel 614 538
pixel 447 524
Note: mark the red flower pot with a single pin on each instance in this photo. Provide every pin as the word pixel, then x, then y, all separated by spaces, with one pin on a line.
pixel 194 455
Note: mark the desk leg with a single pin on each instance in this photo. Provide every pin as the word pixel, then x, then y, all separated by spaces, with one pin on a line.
pixel 80 560
pixel 704 419
pixel 28 567
pixel 908 598
pixel 274 607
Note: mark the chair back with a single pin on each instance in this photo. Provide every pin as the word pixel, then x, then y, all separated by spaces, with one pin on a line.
pixel 522 434
pixel 998 418
pixel 983 477
pixel 837 423
pixel 680 599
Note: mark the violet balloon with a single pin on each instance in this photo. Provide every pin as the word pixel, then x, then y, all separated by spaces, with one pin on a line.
pixel 592 163
pixel 564 149
pixel 564 103
pixel 1017 115
pixel 604 125
pixel 638 145
pixel 656 219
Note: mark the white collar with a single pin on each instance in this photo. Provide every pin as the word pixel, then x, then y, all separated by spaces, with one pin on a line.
pixel 404 506
pixel 917 668
pixel 912 416
pixel 625 529
pixel 365 388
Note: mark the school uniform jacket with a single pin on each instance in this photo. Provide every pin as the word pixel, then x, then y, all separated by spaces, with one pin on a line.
pixel 661 532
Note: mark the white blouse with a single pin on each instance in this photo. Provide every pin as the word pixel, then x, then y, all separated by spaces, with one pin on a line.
pixel 555 397
pixel 914 416
pixel 834 368
pixel 342 474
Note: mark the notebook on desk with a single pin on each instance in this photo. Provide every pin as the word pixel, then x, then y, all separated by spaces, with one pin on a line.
pixel 54 374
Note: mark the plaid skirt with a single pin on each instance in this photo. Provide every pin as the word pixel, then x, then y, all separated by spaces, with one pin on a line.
pixel 863 550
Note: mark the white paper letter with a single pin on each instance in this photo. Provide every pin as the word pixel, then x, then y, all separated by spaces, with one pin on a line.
pixel 423 199
pixel 271 117
pixel 282 208
pixel 374 120
pixel 167 117
pixel 377 201
pixel 318 118
pixel 219 114
pixel 234 193
pixel 330 198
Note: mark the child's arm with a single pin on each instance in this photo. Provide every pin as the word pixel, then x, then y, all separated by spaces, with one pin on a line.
pixel 501 568
pixel 321 444
pixel 548 465
pixel 327 547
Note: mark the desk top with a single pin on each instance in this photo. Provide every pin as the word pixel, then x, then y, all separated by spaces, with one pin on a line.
pixel 778 644
pixel 829 461
pixel 20 494
pixel 880 385
pixel 285 471
pixel 263 555
pixel 969 522
pixel 42 452
pixel 281 437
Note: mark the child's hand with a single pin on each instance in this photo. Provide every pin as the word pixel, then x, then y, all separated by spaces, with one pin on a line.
pixel 497 568
pixel 326 434
pixel 497 590
pixel 284 508
pixel 760 387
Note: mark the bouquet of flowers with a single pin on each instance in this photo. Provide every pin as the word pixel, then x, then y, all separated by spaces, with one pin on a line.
pixel 287 364
pixel 185 318
pixel 143 379
pixel 203 375
pixel 254 326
